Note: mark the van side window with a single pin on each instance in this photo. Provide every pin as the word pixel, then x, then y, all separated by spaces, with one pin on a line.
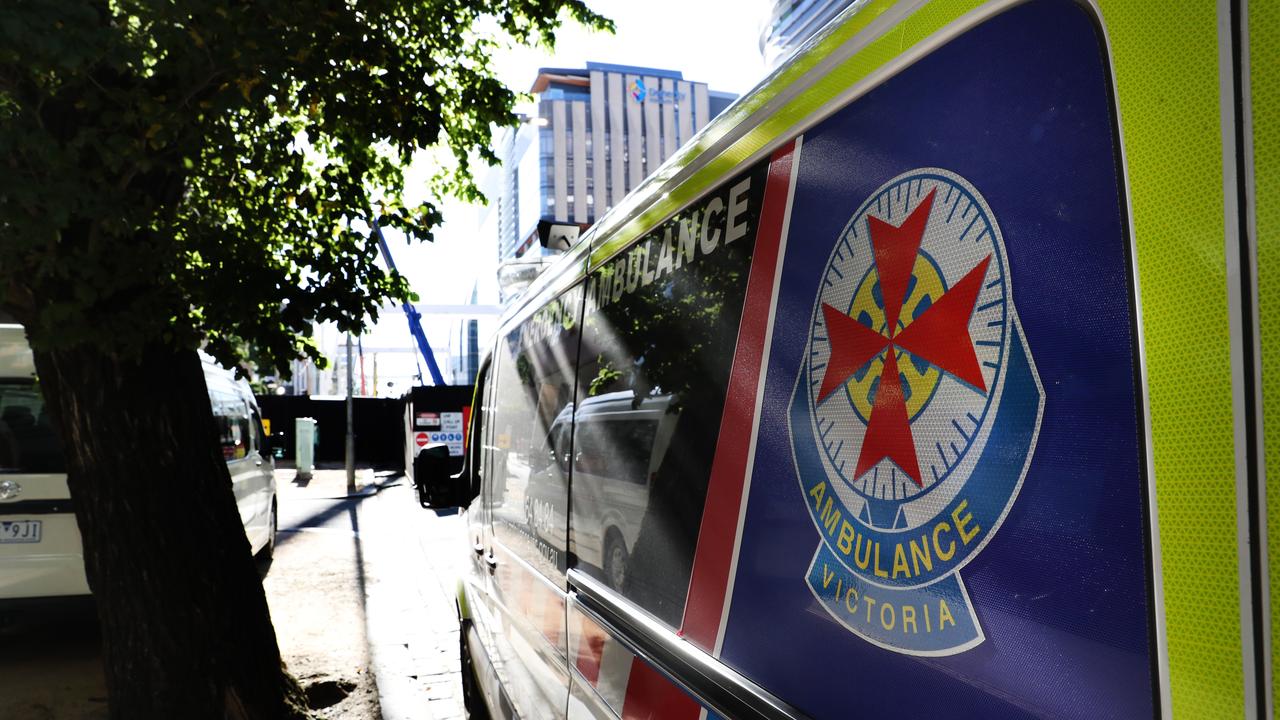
pixel 233 425
pixel 533 400
pixel 659 335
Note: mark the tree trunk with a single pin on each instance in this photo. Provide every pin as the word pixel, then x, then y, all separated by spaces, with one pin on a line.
pixel 186 630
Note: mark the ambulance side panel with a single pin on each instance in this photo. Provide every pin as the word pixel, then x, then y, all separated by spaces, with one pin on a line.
pixel 1066 526
pixel 1058 599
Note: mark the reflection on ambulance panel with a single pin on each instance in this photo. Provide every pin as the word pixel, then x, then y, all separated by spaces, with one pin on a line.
pixel 619 443
pixel 530 485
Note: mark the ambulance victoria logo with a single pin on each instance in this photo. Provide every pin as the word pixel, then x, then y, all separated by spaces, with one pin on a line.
pixel 915 414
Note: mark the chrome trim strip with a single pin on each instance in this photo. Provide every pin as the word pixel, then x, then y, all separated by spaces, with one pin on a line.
pixel 1241 247
pixel 727 692
pixel 1240 385
pixel 1251 237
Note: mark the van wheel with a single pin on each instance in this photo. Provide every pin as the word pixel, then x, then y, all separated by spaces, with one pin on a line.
pixel 472 702
pixel 615 559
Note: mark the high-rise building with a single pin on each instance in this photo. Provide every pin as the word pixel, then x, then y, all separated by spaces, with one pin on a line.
pixel 595 134
pixel 464 344
pixel 794 21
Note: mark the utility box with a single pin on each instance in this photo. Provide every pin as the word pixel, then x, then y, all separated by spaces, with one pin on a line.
pixel 304 451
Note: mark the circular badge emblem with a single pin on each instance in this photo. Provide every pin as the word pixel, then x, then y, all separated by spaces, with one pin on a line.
pixel 907 342
pixel 915 413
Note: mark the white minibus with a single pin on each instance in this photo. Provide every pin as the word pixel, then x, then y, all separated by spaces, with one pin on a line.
pixel 40 547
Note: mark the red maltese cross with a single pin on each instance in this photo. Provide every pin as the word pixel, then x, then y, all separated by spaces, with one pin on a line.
pixel 940 336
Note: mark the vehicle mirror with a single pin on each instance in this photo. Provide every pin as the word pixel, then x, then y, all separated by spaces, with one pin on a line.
pixel 437 488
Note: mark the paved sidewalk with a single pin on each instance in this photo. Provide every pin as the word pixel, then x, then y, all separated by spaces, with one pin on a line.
pixel 412 619
pixel 408 562
pixel 329 482
pixel 315 588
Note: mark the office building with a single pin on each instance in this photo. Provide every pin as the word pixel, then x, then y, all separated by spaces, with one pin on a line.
pixel 593 134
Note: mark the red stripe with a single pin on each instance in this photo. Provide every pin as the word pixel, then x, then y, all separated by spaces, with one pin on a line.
pixel 717 535
pixel 651 696
pixel 590 650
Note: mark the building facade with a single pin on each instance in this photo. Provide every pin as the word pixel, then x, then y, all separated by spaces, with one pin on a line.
pixel 597 133
pixel 794 21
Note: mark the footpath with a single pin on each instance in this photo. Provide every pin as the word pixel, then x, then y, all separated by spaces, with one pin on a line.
pixel 368 617
pixel 361 592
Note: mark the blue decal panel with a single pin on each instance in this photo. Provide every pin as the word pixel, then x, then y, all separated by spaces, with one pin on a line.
pixel 947 504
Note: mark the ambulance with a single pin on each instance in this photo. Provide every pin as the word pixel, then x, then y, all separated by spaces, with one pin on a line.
pixel 943 363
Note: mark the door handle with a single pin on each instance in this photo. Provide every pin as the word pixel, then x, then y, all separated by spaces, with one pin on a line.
pixel 492 561
pixel 479 548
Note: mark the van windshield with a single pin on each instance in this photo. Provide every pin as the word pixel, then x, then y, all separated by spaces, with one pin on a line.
pixel 28 441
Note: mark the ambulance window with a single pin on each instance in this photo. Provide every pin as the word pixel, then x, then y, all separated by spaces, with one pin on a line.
pixel 658 343
pixel 534 386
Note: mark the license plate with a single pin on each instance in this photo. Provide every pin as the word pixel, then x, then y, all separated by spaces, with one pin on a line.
pixel 19 531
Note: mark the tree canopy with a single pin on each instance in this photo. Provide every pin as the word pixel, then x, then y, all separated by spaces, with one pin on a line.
pixel 190 170
pixel 179 173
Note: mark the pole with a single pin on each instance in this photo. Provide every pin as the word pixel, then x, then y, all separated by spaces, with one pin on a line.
pixel 351 430
pixel 360 348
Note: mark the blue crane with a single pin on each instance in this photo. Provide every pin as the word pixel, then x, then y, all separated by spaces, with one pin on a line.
pixel 412 314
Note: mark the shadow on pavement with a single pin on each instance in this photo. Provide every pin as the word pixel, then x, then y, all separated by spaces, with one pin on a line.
pixel 51 664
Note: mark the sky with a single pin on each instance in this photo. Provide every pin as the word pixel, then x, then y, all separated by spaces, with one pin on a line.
pixel 712 41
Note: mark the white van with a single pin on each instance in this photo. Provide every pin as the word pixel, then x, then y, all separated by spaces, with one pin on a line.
pixel 619 441
pixel 40 550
